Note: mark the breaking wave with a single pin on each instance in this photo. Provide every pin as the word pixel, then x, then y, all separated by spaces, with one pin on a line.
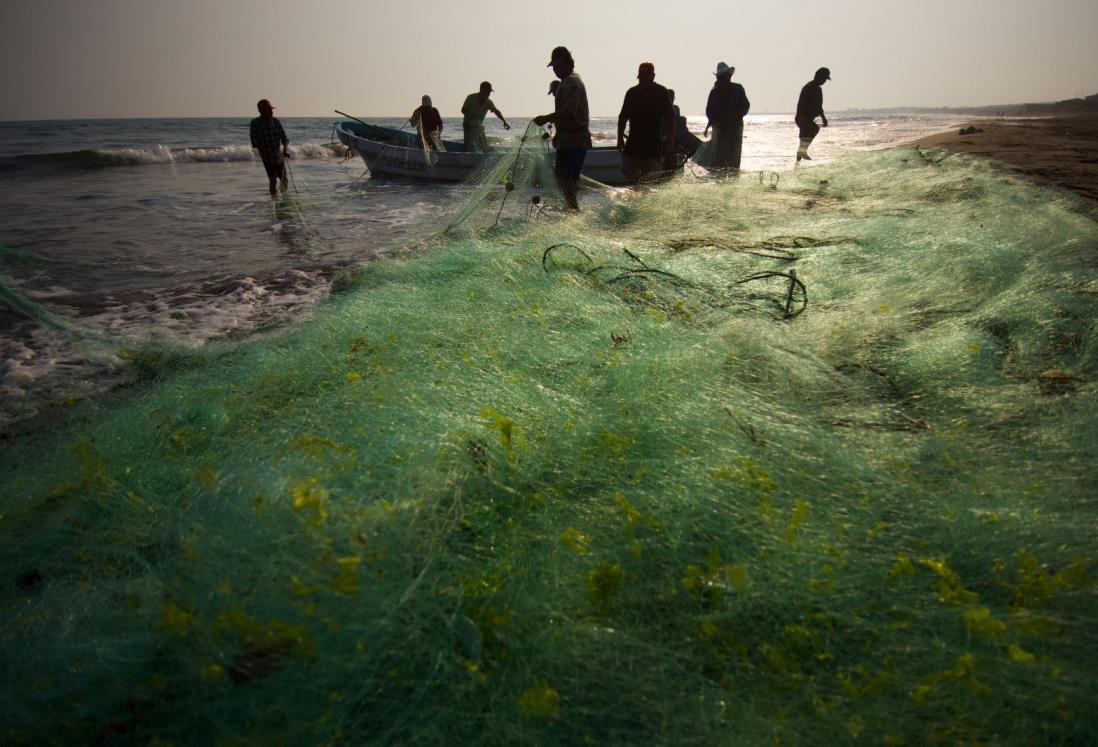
pixel 160 154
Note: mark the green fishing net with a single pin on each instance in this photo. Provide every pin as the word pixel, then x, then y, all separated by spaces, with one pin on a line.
pixel 797 458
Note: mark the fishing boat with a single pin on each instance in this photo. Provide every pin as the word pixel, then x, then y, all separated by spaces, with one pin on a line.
pixel 397 153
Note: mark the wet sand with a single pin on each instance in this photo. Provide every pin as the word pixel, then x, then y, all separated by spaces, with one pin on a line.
pixel 1059 150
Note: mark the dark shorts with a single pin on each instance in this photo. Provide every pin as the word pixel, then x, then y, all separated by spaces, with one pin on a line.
pixel 276 169
pixel 809 129
pixel 570 162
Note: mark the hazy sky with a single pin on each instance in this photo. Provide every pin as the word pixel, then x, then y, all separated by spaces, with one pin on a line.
pixel 161 58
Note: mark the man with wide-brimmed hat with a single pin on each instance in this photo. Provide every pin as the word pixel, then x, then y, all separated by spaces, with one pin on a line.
pixel 725 111
pixel 572 118
pixel 270 140
pixel 810 105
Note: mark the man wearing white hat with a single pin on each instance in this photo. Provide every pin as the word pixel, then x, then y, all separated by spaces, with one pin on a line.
pixel 725 110
pixel 428 122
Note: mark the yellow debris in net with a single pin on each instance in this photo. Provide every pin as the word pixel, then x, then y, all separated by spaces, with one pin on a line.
pixel 575 540
pixel 176 619
pixel 541 701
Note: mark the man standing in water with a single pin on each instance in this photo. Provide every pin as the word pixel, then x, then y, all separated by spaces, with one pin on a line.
pixel 428 122
pixel 809 106
pixel 270 140
pixel 571 117
pixel 476 106
pixel 646 108
pixel 725 110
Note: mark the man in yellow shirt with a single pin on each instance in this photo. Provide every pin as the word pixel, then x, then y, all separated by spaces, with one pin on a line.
pixel 476 106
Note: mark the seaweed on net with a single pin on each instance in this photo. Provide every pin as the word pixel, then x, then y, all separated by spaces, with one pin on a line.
pixel 487 494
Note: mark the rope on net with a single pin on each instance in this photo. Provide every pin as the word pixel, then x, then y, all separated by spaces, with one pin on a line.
pixel 793 304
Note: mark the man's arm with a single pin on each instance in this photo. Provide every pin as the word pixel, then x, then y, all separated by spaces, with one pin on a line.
pixel 499 114
pixel 285 140
pixel 710 111
pixel 254 131
pixel 669 123
pixel 623 117
pixel 745 105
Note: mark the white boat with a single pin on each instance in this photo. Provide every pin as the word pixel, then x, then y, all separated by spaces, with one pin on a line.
pixel 396 153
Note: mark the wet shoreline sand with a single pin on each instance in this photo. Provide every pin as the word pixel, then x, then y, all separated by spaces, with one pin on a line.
pixel 1060 150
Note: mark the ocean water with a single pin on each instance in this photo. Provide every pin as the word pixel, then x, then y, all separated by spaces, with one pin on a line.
pixel 153 230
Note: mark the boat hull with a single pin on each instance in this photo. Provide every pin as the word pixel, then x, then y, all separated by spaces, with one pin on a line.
pixel 394 153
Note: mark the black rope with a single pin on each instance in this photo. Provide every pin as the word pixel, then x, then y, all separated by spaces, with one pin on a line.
pixel 793 304
pixel 794 282
pixel 545 255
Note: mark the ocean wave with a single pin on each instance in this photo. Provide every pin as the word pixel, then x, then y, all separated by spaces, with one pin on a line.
pixel 161 154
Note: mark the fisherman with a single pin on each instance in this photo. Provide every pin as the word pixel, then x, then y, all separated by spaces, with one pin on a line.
pixel 428 122
pixel 571 117
pixel 725 111
pixel 646 108
pixel 270 140
pixel 809 106
pixel 685 141
pixel 476 107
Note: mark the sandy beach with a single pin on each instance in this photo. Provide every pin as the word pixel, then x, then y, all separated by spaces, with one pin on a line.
pixel 1060 150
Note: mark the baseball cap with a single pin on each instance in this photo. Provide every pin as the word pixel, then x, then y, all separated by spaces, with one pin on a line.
pixel 824 72
pixel 646 68
pixel 559 53
pixel 264 104
pixel 486 84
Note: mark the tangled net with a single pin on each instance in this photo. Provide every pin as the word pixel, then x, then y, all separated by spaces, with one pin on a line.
pixel 602 478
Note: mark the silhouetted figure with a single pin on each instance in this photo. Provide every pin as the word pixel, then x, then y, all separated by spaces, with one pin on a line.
pixel 686 142
pixel 476 107
pixel 725 111
pixel 647 110
pixel 428 122
pixel 270 140
pixel 571 117
pixel 809 106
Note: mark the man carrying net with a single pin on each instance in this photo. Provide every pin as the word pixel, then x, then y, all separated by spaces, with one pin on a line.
pixel 270 140
pixel 571 117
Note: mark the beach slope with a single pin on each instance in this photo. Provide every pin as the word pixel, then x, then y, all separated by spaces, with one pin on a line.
pixel 1059 150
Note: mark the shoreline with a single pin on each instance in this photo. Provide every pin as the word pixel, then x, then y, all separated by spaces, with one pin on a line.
pixel 1061 150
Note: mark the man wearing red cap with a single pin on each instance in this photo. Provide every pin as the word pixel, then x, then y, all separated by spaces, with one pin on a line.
pixel 270 140
pixel 646 108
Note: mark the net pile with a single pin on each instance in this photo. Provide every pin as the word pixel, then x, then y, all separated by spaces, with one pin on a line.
pixel 712 463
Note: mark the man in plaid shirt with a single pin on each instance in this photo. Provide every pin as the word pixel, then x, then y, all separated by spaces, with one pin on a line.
pixel 270 140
